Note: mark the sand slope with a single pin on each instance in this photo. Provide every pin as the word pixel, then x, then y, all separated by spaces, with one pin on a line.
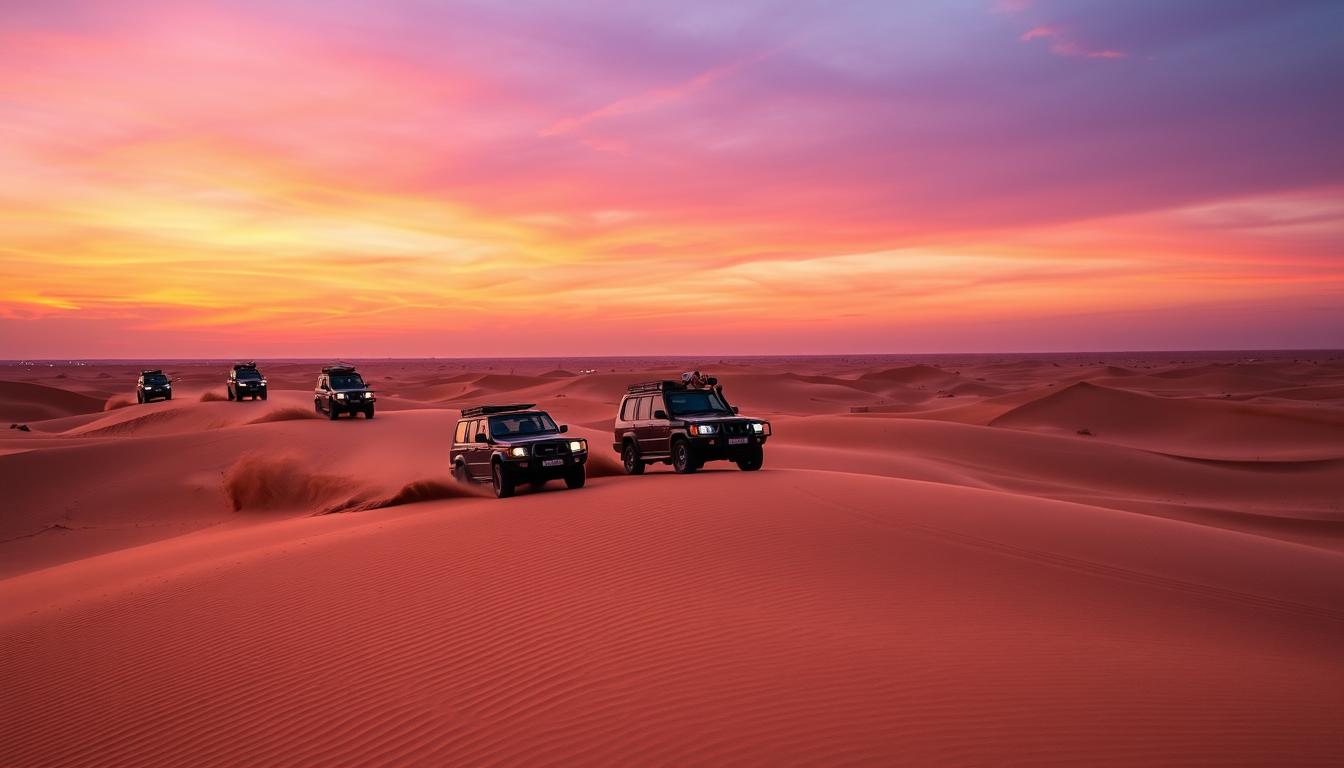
pixel 953 576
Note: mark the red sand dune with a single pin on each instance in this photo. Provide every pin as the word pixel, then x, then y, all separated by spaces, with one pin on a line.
pixel 962 580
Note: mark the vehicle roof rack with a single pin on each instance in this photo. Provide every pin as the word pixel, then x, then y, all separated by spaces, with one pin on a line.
pixel 241 366
pixel 654 386
pixel 486 410
pixel 151 371
pixel 339 369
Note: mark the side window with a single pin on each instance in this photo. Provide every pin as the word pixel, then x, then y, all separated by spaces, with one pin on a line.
pixel 478 428
pixel 644 408
pixel 657 405
pixel 628 409
pixel 461 435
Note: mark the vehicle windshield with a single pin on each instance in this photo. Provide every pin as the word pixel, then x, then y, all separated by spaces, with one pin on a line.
pixel 156 379
pixel 521 424
pixel 346 381
pixel 248 374
pixel 682 403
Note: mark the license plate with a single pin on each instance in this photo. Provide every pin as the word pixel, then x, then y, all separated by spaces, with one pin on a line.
pixel 553 463
pixel 737 441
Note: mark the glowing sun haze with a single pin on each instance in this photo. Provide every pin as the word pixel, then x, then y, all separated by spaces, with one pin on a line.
pixel 539 178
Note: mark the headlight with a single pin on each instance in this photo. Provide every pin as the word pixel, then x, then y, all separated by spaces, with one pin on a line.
pixel 263 382
pixel 340 395
pixel 577 446
pixel 520 451
pixel 703 429
pixel 757 427
pixel 167 386
pixel 368 395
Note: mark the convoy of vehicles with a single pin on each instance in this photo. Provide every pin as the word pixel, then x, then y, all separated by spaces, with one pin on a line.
pixel 246 381
pixel 685 423
pixel 340 389
pixel 153 385
pixel 506 445
pixel 682 423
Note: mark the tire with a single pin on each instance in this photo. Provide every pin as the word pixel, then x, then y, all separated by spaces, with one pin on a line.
pixel 263 395
pixel 332 413
pixel 229 391
pixel 575 478
pixel 751 461
pixel 631 461
pixel 140 397
pixel 683 458
pixel 168 396
pixel 460 475
pixel 368 412
pixel 317 406
pixel 502 480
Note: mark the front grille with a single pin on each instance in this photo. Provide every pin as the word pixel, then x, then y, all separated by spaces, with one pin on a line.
pixel 549 449
pixel 736 428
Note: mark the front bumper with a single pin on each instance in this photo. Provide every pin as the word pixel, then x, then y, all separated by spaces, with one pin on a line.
pixel 540 466
pixel 726 446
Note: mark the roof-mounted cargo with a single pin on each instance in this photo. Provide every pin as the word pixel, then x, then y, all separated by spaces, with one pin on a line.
pixel 486 410
pixel 154 372
pixel 245 366
pixel 339 369
pixel 668 385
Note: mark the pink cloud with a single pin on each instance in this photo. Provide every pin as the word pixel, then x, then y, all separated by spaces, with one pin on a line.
pixel 1063 44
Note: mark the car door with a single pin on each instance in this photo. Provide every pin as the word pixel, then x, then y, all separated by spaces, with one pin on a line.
pixel 646 429
pixel 659 430
pixel 478 455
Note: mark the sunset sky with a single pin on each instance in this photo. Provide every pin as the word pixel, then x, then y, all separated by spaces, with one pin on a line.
pixel 341 178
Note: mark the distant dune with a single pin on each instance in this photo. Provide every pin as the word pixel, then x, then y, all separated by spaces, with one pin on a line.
pixel 1126 560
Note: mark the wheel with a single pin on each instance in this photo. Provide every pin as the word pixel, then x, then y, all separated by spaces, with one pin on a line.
pixel 140 397
pixel 683 458
pixel 168 396
pixel 502 480
pixel 575 477
pixel 263 394
pixel 317 405
pixel 460 473
pixel 751 461
pixel 331 412
pixel 368 412
pixel 229 392
pixel 630 459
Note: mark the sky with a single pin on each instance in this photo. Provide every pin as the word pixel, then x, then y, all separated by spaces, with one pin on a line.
pixel 552 177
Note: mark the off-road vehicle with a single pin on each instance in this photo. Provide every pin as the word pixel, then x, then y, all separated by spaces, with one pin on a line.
pixel 685 424
pixel 153 385
pixel 246 381
pixel 340 389
pixel 505 445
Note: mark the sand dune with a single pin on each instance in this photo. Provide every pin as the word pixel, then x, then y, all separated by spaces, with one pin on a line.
pixel 1190 427
pixel 958 580
pixel 22 401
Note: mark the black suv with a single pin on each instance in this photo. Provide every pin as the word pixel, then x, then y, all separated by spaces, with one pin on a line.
pixel 340 389
pixel 508 444
pixel 153 385
pixel 685 425
pixel 246 381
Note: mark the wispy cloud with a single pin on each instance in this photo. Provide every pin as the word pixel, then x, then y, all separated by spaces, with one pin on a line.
pixel 1063 43
pixel 653 99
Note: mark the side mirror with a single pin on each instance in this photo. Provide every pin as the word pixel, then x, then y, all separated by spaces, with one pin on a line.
pixel 481 437
pixel 660 414
pixel 564 427
pixel 735 410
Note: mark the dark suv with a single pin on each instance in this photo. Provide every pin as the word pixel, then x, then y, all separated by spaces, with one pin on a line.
pixel 246 381
pixel 508 444
pixel 153 385
pixel 685 425
pixel 340 389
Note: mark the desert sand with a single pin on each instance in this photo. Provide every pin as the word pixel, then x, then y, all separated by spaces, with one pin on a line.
pixel 962 560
